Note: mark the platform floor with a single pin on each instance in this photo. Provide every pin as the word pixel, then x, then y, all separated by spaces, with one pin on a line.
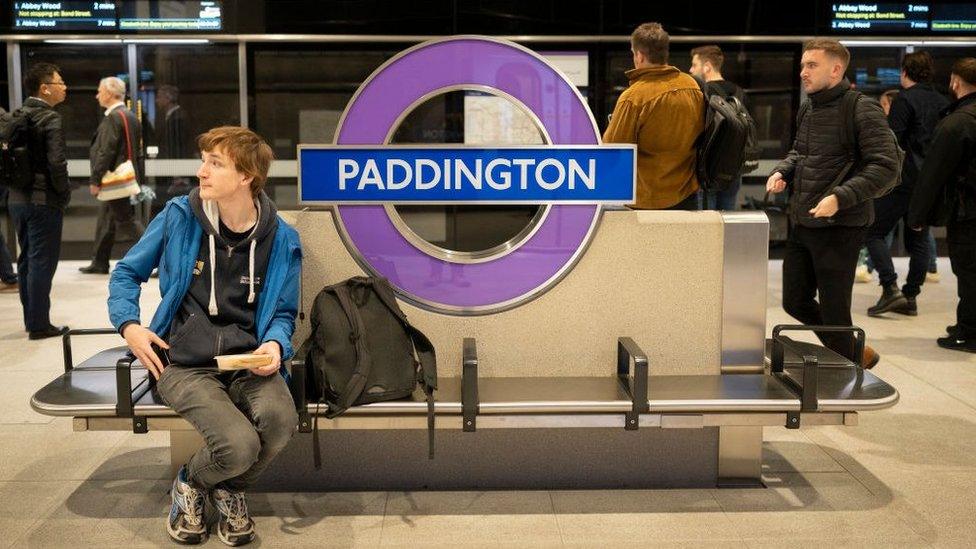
pixel 904 477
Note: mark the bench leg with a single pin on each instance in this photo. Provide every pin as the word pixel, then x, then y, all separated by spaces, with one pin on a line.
pixel 740 457
pixel 182 446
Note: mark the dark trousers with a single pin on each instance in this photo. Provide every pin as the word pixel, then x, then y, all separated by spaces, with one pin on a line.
pixel 6 263
pixel 245 421
pixel 690 203
pixel 961 238
pixel 39 235
pixel 887 211
pixel 818 279
pixel 115 218
pixel 721 200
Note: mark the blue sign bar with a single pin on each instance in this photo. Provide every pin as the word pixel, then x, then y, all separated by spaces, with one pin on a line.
pixel 570 174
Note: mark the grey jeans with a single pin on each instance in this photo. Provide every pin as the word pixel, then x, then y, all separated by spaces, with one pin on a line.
pixel 245 420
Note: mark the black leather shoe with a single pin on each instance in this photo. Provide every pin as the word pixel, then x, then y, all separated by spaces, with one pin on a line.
pixel 891 299
pixel 94 269
pixel 951 329
pixel 51 331
pixel 910 308
pixel 956 344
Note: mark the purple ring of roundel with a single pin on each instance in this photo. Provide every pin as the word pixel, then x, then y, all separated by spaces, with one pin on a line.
pixel 468 61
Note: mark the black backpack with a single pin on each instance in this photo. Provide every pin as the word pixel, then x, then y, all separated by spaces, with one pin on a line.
pixel 362 349
pixel 15 159
pixel 729 145
pixel 848 139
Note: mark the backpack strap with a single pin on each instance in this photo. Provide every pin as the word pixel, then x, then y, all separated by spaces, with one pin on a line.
pixel 848 110
pixel 424 349
pixel 357 382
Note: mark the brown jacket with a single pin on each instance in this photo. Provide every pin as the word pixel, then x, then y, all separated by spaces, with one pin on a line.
pixel 662 112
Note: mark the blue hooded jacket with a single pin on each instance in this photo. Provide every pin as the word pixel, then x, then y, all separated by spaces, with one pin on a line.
pixel 172 243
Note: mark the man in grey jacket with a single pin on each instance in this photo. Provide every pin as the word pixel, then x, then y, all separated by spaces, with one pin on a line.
pixel 833 181
pixel 111 146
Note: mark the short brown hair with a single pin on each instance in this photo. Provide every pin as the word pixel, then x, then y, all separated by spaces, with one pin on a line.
pixel 965 68
pixel 250 154
pixel 832 48
pixel 712 54
pixel 918 66
pixel 651 40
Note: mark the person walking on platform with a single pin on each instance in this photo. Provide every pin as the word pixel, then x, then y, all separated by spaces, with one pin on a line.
pixel 830 202
pixel 913 116
pixel 8 278
pixel 38 210
pixel 118 135
pixel 662 112
pixel 945 194
pixel 240 298
pixel 706 64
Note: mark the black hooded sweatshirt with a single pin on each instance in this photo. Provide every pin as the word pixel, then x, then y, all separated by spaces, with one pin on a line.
pixel 217 314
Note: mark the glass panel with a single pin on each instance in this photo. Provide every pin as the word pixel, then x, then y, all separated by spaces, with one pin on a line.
pixel 184 90
pixel 81 115
pixel 80 109
pixel 769 76
pixel 473 118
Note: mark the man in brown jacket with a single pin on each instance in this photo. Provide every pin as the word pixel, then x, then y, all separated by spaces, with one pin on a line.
pixel 662 111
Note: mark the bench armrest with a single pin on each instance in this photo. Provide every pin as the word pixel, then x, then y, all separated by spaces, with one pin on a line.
pixel 776 357
pixel 469 384
pixel 297 384
pixel 66 342
pixel 628 352
pixel 123 385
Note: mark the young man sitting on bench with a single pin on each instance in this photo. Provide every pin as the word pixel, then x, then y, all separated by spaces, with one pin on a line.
pixel 228 275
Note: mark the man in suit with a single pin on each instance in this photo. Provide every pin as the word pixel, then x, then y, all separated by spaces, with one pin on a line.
pixel 116 140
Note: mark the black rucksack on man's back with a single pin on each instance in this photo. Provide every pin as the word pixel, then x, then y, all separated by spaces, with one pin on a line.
pixel 729 145
pixel 362 349
pixel 15 158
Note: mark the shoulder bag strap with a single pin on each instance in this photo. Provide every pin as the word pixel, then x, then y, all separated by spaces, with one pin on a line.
pixel 128 140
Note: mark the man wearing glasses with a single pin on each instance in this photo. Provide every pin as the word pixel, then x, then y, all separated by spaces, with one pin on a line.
pixel 38 208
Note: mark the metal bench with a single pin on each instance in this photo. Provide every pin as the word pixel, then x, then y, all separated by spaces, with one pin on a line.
pixel 803 384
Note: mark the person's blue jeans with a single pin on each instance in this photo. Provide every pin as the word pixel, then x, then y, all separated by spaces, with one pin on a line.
pixel 6 263
pixel 721 200
pixel 933 254
pixel 39 235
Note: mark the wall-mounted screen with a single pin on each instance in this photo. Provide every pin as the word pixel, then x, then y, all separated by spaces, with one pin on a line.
pixel 925 18
pixel 64 16
pixel 168 15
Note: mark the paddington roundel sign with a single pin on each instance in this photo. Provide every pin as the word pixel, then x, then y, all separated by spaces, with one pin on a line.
pixel 361 176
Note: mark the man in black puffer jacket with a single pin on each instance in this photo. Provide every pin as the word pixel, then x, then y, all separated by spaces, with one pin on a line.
pixel 831 195
pixel 38 211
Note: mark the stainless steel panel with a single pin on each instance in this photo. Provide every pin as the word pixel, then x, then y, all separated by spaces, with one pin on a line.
pixel 82 392
pixel 740 456
pixel 731 393
pixel 745 267
pixel 825 356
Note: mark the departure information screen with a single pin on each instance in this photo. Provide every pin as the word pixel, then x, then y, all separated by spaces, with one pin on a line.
pixel 124 15
pixel 170 15
pixel 902 18
pixel 69 16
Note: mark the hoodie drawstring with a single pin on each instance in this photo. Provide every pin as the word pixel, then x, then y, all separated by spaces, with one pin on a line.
pixel 250 273
pixel 213 263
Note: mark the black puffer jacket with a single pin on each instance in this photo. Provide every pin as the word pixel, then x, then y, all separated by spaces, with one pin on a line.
pixel 49 160
pixel 819 156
